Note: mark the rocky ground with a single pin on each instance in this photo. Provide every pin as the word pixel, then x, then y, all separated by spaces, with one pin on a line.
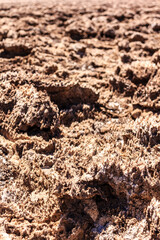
pixel 79 120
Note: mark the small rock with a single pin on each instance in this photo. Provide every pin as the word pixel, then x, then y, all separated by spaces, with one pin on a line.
pixel 14 48
pixel 156 57
pixel 124 45
pixel 137 37
pixel 22 33
pixel 12 34
pixel 103 130
pixel 91 209
pixel 110 33
pixel 51 69
pixel 126 58
pixel 136 113
pixel 156 27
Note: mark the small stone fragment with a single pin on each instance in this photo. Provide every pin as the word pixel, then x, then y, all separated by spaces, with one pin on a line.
pixel 136 113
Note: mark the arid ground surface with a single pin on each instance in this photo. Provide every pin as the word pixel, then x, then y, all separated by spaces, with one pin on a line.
pixel 79 120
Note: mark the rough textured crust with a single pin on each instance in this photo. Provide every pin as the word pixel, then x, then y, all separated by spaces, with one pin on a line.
pixel 79 120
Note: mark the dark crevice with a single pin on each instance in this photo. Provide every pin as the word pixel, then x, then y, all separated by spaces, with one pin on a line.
pixel 139 81
pixel 5 107
pixel 13 54
pixel 46 134
pixel 153 109
pixel 76 113
pixel 19 149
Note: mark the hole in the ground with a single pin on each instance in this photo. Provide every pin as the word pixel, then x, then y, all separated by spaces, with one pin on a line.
pixel 77 113
pixel 75 34
pixel 68 95
pixel 46 134
pixel 7 107
pixel 5 54
pixel 16 50
pixel 109 200
pixel 73 96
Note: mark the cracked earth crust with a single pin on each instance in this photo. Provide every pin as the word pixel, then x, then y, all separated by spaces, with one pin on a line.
pixel 79 120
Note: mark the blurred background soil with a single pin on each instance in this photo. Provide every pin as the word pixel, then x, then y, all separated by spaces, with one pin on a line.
pixel 79 120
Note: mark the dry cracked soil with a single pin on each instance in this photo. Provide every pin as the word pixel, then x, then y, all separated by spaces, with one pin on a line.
pixel 79 120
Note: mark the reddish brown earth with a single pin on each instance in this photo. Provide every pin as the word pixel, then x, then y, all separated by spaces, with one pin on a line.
pixel 79 120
